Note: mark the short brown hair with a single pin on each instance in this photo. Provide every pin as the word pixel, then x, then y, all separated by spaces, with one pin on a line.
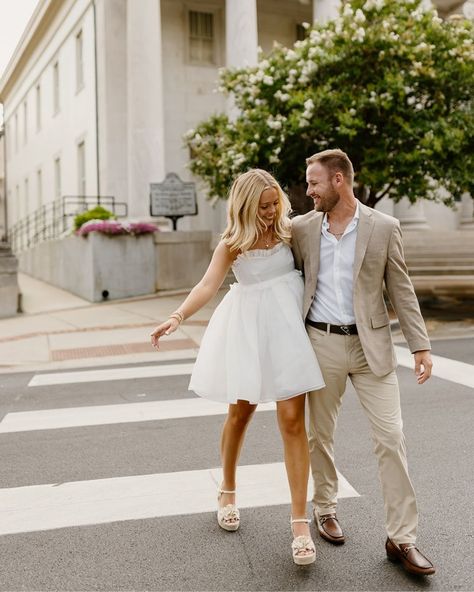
pixel 335 161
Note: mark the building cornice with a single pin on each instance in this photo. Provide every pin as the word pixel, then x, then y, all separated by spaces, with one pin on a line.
pixel 36 28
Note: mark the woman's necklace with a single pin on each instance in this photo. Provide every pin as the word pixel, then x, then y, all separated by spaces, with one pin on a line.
pixel 267 240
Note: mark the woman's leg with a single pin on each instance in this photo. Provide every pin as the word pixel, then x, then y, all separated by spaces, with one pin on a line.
pixel 233 432
pixel 291 422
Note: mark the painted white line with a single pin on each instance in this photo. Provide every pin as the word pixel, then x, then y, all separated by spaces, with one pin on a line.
pixel 79 503
pixel 50 419
pixel 115 373
pixel 452 370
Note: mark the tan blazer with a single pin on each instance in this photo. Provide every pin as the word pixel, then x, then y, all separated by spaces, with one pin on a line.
pixel 378 258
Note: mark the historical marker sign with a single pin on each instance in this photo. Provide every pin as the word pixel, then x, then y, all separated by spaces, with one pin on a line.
pixel 173 198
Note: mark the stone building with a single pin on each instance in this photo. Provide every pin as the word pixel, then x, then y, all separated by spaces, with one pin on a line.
pixel 99 93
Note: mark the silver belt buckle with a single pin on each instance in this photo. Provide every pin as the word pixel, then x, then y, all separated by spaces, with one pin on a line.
pixel 345 329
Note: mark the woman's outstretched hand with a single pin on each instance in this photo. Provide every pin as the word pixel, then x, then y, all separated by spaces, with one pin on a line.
pixel 164 329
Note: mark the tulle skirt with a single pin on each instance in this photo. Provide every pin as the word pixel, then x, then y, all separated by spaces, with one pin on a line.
pixel 255 347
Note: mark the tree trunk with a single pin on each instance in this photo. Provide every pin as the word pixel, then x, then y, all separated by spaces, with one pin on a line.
pixel 300 203
pixel 372 199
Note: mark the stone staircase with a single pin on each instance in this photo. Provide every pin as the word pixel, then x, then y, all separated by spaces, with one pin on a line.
pixel 441 263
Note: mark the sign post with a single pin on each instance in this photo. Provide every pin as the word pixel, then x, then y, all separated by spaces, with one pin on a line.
pixel 173 199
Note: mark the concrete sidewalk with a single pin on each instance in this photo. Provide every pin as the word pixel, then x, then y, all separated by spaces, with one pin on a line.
pixel 59 330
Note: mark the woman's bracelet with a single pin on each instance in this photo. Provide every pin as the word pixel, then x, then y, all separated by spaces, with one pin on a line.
pixel 178 315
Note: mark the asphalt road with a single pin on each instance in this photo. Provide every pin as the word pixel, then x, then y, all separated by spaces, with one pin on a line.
pixel 190 552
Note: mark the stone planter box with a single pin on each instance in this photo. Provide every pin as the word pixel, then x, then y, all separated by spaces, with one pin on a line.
pixel 96 267
pixel 99 267
pixel 181 259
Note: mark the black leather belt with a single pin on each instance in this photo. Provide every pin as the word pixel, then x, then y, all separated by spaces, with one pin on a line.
pixel 339 329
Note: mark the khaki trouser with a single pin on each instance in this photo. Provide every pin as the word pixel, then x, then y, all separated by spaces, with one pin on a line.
pixel 341 356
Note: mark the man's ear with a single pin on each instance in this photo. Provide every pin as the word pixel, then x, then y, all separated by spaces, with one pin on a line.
pixel 338 179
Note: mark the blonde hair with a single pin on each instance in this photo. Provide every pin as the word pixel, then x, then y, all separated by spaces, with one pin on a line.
pixel 334 161
pixel 244 225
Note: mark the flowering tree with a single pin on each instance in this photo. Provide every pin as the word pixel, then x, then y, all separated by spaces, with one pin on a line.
pixel 387 82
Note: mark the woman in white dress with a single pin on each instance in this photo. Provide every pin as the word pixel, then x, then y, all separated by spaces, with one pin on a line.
pixel 255 348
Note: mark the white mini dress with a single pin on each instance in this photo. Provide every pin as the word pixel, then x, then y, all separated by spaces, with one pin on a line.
pixel 255 347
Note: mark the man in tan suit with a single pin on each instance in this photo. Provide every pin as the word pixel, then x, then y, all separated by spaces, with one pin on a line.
pixel 347 253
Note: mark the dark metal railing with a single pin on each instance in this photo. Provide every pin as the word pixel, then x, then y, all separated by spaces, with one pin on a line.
pixel 55 219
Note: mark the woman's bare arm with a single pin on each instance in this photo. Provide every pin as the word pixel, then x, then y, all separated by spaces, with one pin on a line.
pixel 202 292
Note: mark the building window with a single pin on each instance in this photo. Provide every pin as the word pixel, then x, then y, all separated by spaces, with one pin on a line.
pixel 301 32
pixel 57 178
pixel 201 37
pixel 56 104
pixel 79 62
pixel 25 122
pixel 39 187
pixel 38 107
pixel 81 169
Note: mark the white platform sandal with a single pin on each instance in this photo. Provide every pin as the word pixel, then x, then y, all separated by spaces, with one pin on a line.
pixel 228 517
pixel 304 551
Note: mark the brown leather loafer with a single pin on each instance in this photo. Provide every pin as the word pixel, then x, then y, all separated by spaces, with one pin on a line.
pixel 412 560
pixel 329 528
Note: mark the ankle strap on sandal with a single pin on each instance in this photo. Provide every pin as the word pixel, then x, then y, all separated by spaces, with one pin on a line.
pixel 224 491
pixel 306 520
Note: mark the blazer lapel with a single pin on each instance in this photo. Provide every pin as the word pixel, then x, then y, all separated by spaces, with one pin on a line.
pixel 366 224
pixel 314 245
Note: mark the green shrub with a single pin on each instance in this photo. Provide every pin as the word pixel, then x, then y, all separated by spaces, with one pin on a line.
pixel 97 213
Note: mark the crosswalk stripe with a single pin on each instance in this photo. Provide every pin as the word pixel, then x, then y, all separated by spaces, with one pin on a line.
pixel 445 368
pixel 154 371
pixel 50 419
pixel 79 503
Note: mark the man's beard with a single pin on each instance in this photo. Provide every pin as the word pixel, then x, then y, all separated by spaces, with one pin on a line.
pixel 327 202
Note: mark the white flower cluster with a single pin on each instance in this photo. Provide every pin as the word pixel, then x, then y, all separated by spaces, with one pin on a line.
pixel 316 52
pixel 307 71
pixel 274 124
pixel 274 158
pixel 347 12
pixel 307 113
pixel 416 69
pixel 373 97
pixel 359 35
pixel 239 159
pixel 359 17
pixel 283 97
pixel 291 55
pixel 374 5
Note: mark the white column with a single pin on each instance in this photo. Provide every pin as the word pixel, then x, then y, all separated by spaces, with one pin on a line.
pixel 112 97
pixel 241 33
pixel 411 216
pixel 325 10
pixel 145 125
pixel 468 9
pixel 241 44
pixel 467 213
